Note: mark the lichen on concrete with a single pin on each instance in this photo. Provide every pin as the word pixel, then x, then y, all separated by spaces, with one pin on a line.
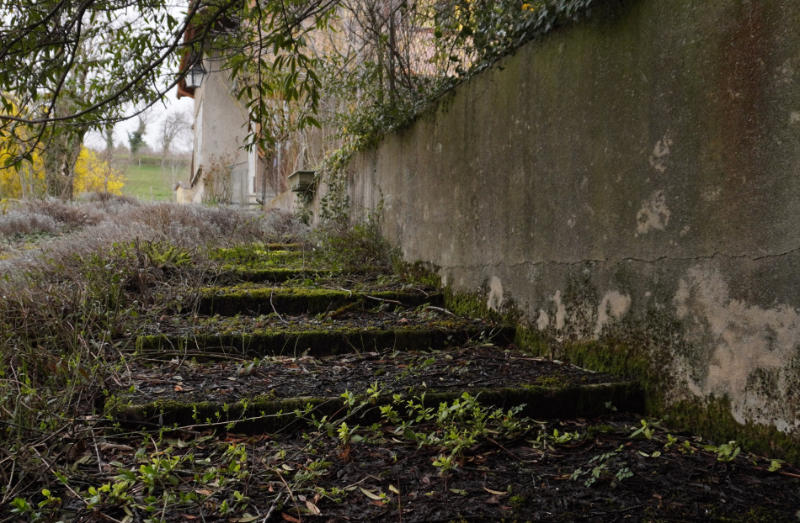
pixel 749 348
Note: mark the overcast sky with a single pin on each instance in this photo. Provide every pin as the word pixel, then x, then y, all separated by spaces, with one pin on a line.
pixel 155 118
pixel 155 115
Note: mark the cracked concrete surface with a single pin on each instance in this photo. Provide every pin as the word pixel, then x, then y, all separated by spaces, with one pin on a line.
pixel 649 192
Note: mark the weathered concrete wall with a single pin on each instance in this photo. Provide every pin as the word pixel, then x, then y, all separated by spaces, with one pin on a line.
pixel 635 176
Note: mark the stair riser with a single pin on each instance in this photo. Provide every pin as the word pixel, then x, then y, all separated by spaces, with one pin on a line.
pixel 302 304
pixel 278 415
pixel 316 343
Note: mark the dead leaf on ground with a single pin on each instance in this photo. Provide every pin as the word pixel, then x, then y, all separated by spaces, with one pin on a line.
pixel 495 492
pixel 371 495
pixel 313 508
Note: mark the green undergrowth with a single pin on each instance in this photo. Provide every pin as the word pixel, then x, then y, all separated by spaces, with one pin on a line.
pixel 72 309
pixel 712 418
pixel 67 334
pixel 59 320
pixel 63 326
pixel 191 472
pixel 168 473
pixel 269 414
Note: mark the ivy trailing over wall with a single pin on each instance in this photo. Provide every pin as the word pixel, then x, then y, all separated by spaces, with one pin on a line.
pixel 400 56
pixel 463 37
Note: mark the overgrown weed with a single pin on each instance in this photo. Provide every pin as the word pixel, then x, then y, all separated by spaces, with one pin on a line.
pixel 71 307
pixel 353 247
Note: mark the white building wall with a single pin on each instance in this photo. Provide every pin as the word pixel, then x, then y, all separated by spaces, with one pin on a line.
pixel 220 130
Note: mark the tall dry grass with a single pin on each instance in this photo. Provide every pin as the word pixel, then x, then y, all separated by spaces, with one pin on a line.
pixel 77 282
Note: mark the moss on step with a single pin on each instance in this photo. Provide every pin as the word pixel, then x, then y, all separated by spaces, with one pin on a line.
pixel 258 257
pixel 228 301
pixel 258 414
pixel 469 304
pixel 712 418
pixel 268 414
pixel 290 260
pixel 320 342
pixel 254 250
pixel 269 274
pixel 616 358
pixel 288 246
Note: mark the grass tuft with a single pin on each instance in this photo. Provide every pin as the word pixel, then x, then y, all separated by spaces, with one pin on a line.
pixel 73 302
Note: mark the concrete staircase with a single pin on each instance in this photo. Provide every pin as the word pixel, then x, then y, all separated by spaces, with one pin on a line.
pixel 279 331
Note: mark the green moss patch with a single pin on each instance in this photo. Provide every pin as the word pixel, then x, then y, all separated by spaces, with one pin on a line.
pixel 469 304
pixel 258 254
pixel 269 274
pixel 255 251
pixel 711 418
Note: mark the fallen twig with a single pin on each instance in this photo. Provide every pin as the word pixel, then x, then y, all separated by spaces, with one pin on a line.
pixel 440 309
pixel 271 292
pixel 288 490
pixel 386 300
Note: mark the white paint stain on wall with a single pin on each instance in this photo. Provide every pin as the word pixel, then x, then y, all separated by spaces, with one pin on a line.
pixel 654 214
pixel 543 321
pixel 561 311
pixel 571 221
pixel 658 158
pixel 613 307
pixel 495 300
pixel 744 338
pixel 711 194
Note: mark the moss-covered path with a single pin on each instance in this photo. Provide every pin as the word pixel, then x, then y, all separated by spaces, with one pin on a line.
pixel 236 359
pixel 297 392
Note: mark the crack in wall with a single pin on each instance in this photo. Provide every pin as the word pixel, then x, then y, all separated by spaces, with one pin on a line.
pixel 612 261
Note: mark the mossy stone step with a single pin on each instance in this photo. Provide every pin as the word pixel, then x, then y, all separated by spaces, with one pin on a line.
pixel 285 246
pixel 254 273
pixel 268 414
pixel 259 254
pixel 237 273
pixel 436 335
pixel 229 301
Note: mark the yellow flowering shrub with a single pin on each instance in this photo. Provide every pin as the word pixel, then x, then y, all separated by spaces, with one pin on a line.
pixel 18 179
pixel 23 180
pixel 95 175
pixel 27 179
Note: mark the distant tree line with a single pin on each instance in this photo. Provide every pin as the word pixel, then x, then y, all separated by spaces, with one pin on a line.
pixel 71 66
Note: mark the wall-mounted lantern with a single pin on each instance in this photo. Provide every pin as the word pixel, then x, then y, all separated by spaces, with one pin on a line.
pixel 301 182
pixel 194 78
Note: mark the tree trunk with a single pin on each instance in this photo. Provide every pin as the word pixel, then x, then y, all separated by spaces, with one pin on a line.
pixel 60 157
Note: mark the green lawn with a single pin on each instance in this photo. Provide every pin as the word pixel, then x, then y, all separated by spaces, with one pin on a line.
pixel 149 182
